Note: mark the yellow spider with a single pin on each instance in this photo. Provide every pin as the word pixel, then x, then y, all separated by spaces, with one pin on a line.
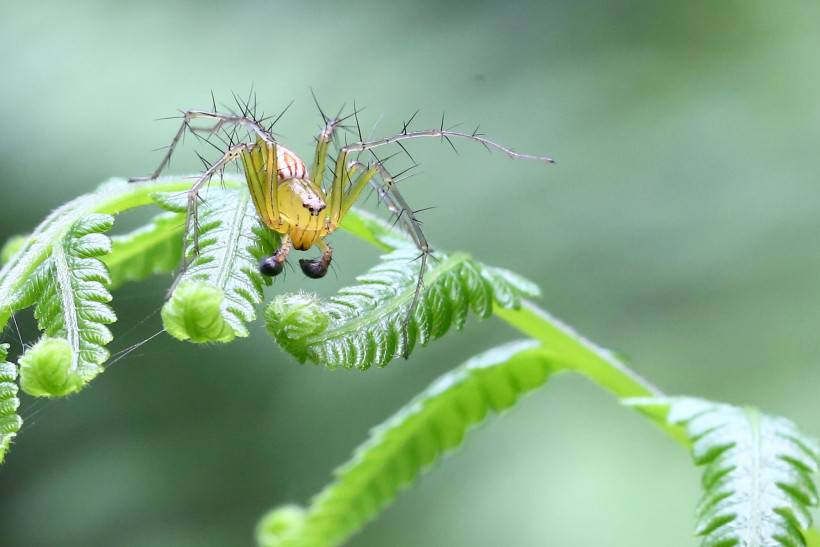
pixel 289 197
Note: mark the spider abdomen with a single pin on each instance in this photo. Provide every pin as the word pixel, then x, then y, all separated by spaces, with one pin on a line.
pixel 290 165
pixel 299 201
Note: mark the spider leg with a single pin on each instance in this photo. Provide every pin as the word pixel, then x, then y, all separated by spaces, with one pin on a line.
pixel 358 184
pixel 220 121
pixel 339 204
pixel 390 195
pixel 323 142
pixel 192 216
pixel 258 160
pixel 341 200
pixel 444 134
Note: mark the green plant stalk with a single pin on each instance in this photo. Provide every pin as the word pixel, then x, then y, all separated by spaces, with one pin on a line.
pixel 576 353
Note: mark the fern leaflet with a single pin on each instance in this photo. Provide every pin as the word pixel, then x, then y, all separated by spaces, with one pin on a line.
pixel 72 311
pixel 414 438
pixel 10 421
pixel 153 248
pixel 216 295
pixel 361 325
pixel 757 479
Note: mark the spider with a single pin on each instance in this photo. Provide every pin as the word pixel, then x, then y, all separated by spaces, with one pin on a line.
pixel 291 199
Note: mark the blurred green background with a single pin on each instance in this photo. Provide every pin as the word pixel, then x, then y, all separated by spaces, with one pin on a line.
pixel 680 228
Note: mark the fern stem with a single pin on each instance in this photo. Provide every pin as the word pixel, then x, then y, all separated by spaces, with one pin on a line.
pixel 576 353
pixel 66 294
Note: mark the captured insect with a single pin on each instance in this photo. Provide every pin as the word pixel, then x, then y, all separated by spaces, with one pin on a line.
pixel 292 199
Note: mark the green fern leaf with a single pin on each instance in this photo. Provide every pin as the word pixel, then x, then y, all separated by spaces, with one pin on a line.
pixel 362 325
pixel 400 449
pixel 757 479
pixel 71 296
pixel 11 247
pixel 23 255
pixel 217 294
pixel 10 421
pixel 150 249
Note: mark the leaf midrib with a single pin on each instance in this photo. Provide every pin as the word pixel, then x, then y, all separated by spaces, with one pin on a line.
pixel 231 249
pixel 65 289
pixel 753 418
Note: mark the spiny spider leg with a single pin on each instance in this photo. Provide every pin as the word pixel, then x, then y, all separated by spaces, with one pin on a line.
pixel 256 160
pixel 356 186
pixel 191 216
pixel 221 121
pixel 322 144
pixel 336 194
pixel 396 204
pixel 444 134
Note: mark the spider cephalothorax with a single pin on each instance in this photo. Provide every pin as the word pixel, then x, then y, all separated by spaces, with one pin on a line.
pixel 290 198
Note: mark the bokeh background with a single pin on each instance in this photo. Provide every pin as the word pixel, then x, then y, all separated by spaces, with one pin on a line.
pixel 680 228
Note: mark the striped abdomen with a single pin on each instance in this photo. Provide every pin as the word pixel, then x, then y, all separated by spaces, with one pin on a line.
pixel 289 164
pixel 299 202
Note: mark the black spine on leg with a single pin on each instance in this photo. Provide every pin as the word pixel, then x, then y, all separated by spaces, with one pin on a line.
pixel 270 266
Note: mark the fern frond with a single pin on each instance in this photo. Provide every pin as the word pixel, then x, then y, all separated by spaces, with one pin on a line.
pixel 11 247
pixel 71 295
pixel 217 294
pixel 10 421
pixel 23 256
pixel 758 471
pixel 400 449
pixel 361 325
pixel 150 249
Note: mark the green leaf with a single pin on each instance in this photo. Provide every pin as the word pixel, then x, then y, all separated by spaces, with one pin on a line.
pixel 758 472
pixel 71 295
pixel 150 249
pixel 11 247
pixel 362 325
pixel 110 198
pixel 400 449
pixel 10 421
pixel 225 272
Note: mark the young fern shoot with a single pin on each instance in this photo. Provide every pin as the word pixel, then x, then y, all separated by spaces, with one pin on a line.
pixel 292 199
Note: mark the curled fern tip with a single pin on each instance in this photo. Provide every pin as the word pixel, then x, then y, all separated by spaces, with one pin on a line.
pixel 46 369
pixel 280 525
pixel 194 313
pixel 292 318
